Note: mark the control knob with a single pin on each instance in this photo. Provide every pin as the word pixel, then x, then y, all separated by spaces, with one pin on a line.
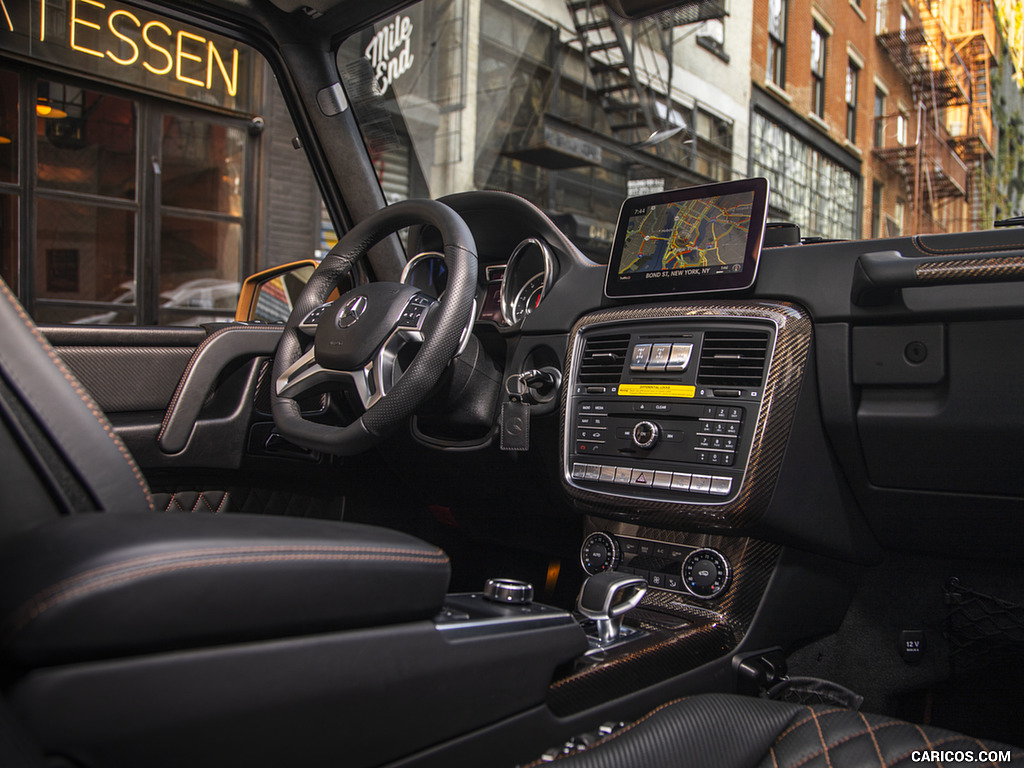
pixel 705 573
pixel 600 552
pixel 645 434
pixel 508 591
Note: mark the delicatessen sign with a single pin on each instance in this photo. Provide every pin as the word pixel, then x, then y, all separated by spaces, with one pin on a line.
pixel 126 44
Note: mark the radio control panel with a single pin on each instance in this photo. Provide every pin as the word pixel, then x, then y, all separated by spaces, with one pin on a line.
pixel 665 411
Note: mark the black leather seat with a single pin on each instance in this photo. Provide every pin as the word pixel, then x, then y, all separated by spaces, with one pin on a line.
pixel 727 731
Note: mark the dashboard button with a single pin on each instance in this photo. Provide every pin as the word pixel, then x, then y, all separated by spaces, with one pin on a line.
pixel 641 352
pixel 623 475
pixel 579 471
pixel 700 484
pixel 593 472
pixel 659 357
pixel 720 486
pixel 681 481
pixel 656 579
pixel 679 357
pixel 628 546
pixel 641 477
pixel 662 479
pixel 607 474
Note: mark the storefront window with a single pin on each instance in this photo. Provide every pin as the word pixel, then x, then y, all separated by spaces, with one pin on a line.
pixel 84 252
pixel 203 165
pixel 86 141
pixel 8 127
pixel 9 240
pixel 152 190
pixel 199 266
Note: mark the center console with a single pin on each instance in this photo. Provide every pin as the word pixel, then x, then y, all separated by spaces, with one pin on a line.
pixel 676 412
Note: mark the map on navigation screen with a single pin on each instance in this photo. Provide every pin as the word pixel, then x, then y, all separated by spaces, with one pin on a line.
pixel 708 233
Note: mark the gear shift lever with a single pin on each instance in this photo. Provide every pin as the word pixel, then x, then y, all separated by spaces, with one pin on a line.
pixel 606 597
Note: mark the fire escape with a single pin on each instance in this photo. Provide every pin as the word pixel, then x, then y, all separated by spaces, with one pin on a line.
pixel 629 64
pixel 975 37
pixel 922 149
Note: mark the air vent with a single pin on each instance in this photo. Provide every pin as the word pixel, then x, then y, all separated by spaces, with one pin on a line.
pixel 733 358
pixel 603 359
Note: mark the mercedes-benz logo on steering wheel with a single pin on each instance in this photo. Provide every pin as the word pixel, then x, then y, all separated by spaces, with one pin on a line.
pixel 352 311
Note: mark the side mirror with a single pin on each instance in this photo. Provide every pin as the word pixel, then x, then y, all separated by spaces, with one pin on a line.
pixel 268 296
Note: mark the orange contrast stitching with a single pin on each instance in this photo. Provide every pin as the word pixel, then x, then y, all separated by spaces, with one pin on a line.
pixel 87 583
pixel 82 394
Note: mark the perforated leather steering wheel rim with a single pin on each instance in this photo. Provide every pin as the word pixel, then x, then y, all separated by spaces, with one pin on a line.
pixel 433 357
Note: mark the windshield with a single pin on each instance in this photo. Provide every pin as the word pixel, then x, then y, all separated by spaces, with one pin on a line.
pixel 575 109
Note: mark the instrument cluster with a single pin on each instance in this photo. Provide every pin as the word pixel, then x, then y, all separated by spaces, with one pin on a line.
pixel 511 292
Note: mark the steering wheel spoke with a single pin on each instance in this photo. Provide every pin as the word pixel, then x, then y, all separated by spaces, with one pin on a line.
pixel 309 322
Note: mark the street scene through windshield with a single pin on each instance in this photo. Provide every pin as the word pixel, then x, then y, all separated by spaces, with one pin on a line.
pixel 872 122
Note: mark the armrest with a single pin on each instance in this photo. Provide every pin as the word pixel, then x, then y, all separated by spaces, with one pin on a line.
pixel 105 585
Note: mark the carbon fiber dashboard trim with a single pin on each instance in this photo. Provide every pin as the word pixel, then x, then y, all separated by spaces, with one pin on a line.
pixel 752 562
pixel 123 379
pixel 971 270
pixel 642 663
pixel 774 418
pixel 686 632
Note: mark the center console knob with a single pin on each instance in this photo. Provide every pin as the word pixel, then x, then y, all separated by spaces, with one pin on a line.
pixel 508 591
pixel 645 434
pixel 600 552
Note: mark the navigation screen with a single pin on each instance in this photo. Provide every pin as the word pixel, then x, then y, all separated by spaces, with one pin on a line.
pixel 697 239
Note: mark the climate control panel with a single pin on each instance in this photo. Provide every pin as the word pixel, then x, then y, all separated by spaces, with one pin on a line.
pixel 702 572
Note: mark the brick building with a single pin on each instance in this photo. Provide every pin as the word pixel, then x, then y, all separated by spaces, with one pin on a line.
pixel 872 117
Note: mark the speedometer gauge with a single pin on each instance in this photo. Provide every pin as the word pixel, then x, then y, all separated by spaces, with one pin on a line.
pixel 528 298
pixel 529 275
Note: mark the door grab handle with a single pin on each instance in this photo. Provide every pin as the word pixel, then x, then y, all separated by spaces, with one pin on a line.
pixel 878 276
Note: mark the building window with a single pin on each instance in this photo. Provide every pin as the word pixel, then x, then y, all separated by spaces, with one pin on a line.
pixel 852 82
pixel 904 23
pixel 713 156
pixel 894 223
pixel 711 35
pixel 878 140
pixel 876 209
pixel 901 129
pixel 808 188
pixel 777 42
pixel 819 42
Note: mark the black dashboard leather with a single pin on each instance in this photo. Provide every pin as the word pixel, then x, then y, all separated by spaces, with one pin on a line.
pixel 97 586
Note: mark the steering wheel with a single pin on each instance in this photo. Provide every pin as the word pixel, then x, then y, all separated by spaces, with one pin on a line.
pixel 357 339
